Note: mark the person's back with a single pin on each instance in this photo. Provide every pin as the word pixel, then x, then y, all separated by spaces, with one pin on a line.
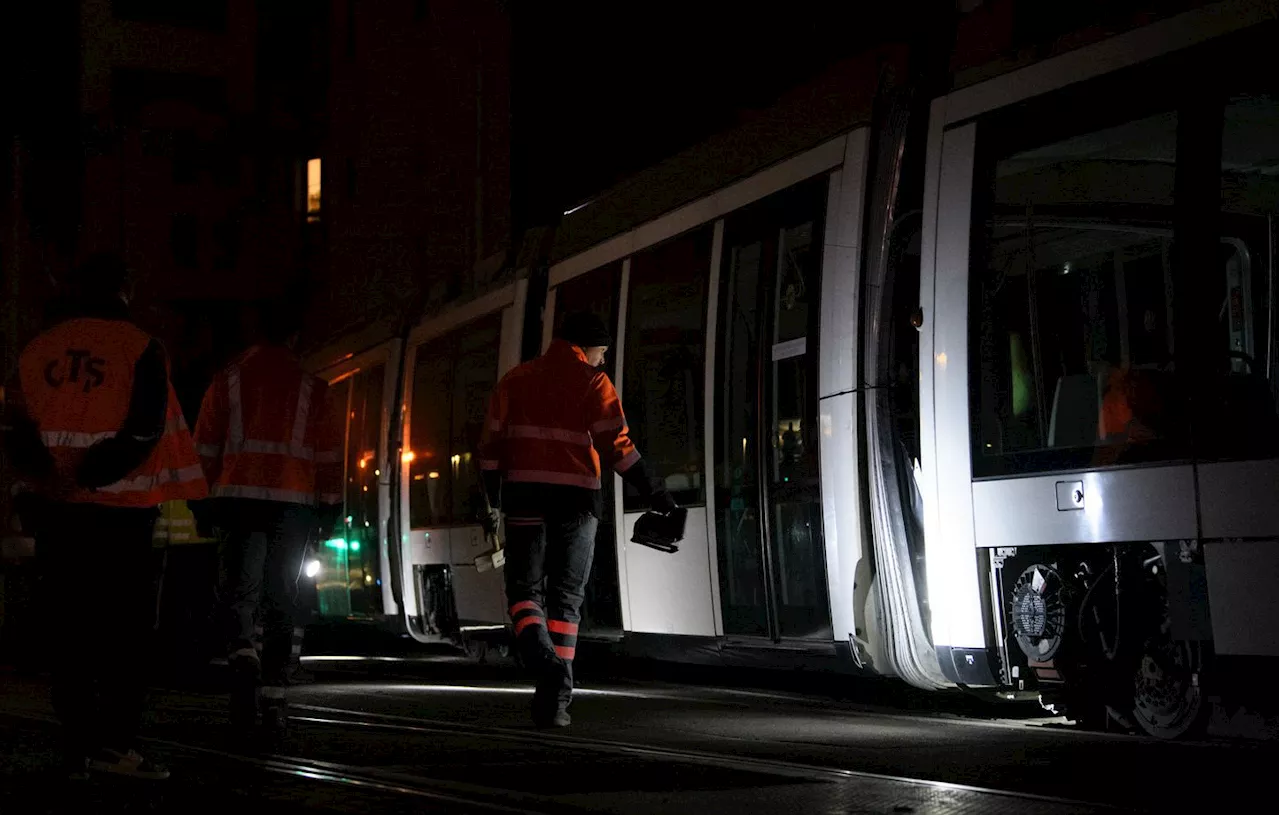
pixel 267 436
pixel 551 424
pixel 260 428
pixel 94 426
pixel 271 381
pixel 549 410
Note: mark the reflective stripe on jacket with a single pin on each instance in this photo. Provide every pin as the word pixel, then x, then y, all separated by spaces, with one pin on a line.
pixel 76 384
pixel 551 420
pixel 266 431
pixel 176 526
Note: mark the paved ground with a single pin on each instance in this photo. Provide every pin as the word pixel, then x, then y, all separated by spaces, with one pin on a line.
pixel 452 737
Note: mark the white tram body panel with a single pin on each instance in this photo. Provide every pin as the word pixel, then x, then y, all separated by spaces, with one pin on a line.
pixel 1098 372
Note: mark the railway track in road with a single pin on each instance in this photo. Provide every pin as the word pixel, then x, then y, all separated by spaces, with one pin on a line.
pixel 706 781
pixel 799 771
pixel 373 780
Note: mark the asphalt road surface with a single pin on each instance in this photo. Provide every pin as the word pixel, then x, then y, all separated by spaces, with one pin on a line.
pixel 447 736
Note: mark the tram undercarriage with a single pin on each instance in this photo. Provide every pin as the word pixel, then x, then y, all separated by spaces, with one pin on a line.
pixel 1092 629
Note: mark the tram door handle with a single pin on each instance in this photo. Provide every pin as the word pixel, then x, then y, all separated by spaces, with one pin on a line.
pixel 1070 495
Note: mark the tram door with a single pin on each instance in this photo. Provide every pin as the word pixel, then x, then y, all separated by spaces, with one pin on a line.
pixel 597 292
pixel 768 505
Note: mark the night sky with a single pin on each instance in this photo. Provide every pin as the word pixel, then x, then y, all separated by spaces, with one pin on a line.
pixel 599 94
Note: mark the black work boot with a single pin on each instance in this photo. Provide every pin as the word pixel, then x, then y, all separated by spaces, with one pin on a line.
pixel 245 676
pixel 551 699
pixel 275 711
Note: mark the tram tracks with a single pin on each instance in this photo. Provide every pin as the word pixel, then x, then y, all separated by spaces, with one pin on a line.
pixel 472 797
pixel 460 797
pixel 456 795
pixel 799 771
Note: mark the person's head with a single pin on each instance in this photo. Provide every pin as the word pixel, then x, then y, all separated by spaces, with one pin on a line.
pixel 103 276
pixel 280 322
pixel 588 332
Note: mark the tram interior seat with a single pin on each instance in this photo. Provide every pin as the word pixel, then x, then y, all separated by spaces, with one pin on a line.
pixel 1077 404
pixel 678 481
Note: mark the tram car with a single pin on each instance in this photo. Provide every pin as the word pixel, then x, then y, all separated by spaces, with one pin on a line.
pixel 966 376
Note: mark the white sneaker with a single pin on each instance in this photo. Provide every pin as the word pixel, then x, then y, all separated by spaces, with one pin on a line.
pixel 128 763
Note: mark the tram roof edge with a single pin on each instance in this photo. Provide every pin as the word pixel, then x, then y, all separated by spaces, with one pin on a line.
pixel 837 101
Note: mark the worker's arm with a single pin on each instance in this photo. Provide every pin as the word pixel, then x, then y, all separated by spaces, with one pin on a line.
pixel 22 443
pixel 612 439
pixel 111 459
pixel 491 451
pixel 210 437
pixel 211 427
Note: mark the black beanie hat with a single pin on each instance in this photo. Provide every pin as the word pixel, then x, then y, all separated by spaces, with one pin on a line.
pixel 585 330
pixel 102 275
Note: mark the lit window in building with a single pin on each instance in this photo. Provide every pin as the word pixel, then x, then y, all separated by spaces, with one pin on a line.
pixel 313 189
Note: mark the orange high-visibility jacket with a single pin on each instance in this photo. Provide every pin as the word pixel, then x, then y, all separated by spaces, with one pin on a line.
pixel 549 417
pixel 266 431
pixel 76 384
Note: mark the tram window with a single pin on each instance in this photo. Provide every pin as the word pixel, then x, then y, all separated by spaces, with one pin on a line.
pixel 1073 303
pixel 452 379
pixel 799 259
pixel 664 361
pixel 429 500
pixel 593 292
pixel 332 591
pixel 1242 422
pixel 362 440
pixel 364 434
pixel 475 374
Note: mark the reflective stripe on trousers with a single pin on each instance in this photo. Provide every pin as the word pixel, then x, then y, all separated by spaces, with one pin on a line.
pixel 526 613
pixel 564 636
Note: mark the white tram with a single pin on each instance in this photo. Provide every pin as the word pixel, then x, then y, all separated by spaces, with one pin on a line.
pixel 975 392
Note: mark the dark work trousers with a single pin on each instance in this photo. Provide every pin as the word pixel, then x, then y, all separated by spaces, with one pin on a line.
pixel 548 565
pixel 98 575
pixel 260 553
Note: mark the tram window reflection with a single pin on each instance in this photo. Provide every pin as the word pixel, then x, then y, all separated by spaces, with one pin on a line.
pixel 429 474
pixel 1241 420
pixel 364 434
pixel 664 361
pixel 1075 305
pixel 453 377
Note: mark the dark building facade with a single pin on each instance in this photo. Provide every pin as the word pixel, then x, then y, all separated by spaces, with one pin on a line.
pixel 169 133
pixel 413 204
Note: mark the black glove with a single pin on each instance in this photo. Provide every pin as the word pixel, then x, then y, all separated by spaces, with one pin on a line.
pixel 661 501
pixel 204 522
pixel 32 510
pixel 491 521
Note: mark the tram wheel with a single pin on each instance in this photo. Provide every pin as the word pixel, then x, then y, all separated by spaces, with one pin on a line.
pixel 1169 701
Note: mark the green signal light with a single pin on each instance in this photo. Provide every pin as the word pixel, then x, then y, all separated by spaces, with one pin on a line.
pixel 337 543
pixel 355 546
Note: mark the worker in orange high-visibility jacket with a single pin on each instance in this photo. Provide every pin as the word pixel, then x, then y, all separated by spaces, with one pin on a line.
pixel 93 422
pixel 550 423
pixel 272 451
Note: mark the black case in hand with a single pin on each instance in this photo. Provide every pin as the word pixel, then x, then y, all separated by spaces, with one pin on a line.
pixel 661 531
